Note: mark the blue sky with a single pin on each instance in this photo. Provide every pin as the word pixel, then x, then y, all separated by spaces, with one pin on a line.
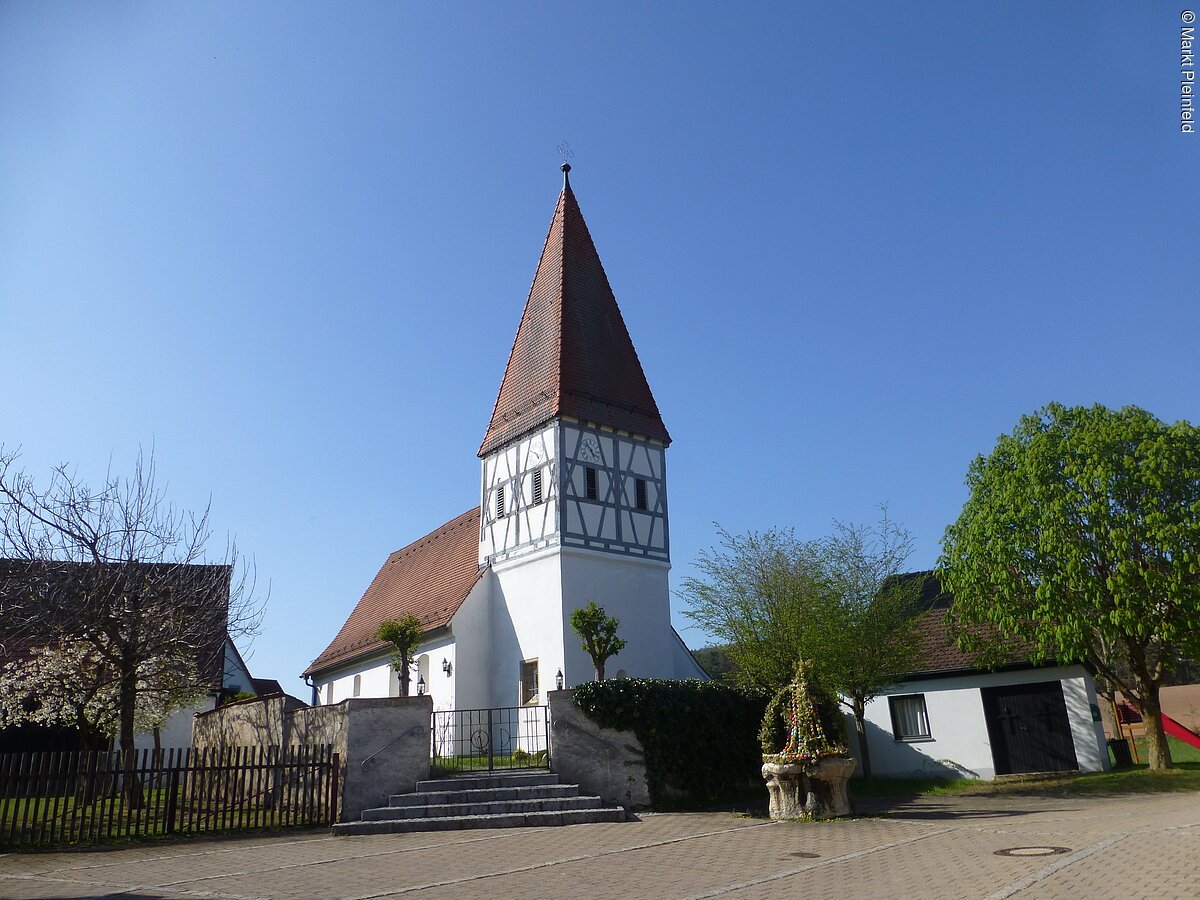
pixel 288 246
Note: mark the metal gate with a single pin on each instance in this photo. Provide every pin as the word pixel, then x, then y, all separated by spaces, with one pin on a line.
pixel 510 737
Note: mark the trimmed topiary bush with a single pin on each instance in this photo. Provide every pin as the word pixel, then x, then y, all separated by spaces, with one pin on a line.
pixel 700 737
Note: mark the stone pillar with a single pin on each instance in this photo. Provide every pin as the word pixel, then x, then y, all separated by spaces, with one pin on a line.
pixel 387 750
pixel 604 762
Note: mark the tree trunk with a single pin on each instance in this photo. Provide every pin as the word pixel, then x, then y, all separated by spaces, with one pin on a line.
pixel 859 708
pixel 600 671
pixel 1146 684
pixel 1158 754
pixel 130 785
pixel 405 676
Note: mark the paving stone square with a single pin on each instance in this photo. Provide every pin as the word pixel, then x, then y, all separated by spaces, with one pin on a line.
pixel 940 847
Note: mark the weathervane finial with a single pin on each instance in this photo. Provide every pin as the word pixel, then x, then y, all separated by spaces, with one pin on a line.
pixel 564 150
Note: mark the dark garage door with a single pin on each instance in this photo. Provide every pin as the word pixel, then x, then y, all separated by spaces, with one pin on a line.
pixel 1029 728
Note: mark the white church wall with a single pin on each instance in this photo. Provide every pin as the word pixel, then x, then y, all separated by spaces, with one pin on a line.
pixel 527 617
pixel 472 629
pixel 377 678
pixel 959 744
pixel 634 590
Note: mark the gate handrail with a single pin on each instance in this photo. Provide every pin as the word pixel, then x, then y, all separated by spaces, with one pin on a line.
pixel 415 730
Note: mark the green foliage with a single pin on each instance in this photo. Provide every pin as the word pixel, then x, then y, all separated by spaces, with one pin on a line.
pixel 1080 541
pixel 717 663
pixel 802 722
pixel 598 634
pixel 700 737
pixel 405 636
pixel 775 600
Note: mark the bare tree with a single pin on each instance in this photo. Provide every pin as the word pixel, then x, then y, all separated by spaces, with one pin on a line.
pixel 122 573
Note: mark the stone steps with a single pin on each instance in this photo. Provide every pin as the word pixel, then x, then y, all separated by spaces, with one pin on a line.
pixel 484 801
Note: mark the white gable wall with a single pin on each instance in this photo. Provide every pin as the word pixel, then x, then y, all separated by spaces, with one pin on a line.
pixel 959 744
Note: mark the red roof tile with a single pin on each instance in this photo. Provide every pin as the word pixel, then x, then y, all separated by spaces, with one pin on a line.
pixel 429 579
pixel 572 355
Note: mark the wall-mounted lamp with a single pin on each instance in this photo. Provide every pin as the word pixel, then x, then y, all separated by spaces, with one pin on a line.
pixel 558 680
pixel 420 686
pixel 446 667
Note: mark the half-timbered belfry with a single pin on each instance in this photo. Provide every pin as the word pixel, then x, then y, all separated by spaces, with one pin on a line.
pixel 573 509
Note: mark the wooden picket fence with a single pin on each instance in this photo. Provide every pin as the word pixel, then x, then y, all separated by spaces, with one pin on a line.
pixel 53 799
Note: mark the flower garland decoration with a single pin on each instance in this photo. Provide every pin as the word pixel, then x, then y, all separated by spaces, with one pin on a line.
pixel 802 724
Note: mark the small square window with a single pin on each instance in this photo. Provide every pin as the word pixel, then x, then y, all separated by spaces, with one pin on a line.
pixel 537 487
pixel 590 479
pixel 500 502
pixel 910 721
pixel 640 492
pixel 529 682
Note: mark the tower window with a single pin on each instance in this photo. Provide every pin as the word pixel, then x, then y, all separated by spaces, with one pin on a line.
pixel 500 502
pixel 640 492
pixel 537 487
pixel 590 479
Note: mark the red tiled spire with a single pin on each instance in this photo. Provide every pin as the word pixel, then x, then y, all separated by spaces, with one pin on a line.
pixel 572 355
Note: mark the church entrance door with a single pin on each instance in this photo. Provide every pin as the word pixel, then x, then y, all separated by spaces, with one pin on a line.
pixel 487 740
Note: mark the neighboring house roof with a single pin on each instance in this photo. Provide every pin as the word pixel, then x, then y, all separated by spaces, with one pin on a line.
pixel 429 579
pixel 266 686
pixel 572 355
pixel 200 604
pixel 937 647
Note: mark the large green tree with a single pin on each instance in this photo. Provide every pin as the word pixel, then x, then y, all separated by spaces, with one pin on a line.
pixel 776 600
pixel 1081 542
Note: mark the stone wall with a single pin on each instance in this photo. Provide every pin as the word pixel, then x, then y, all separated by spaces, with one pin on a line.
pixel 602 761
pixel 387 750
pixel 382 743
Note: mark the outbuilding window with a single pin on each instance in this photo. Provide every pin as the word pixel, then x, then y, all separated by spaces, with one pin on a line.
pixel 910 721
pixel 357 685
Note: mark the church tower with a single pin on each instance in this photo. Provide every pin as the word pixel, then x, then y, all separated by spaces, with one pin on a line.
pixel 574 487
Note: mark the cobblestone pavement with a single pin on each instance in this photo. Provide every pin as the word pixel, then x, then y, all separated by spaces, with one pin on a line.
pixel 934 847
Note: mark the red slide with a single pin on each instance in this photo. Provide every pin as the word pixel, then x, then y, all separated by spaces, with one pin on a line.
pixel 1175 730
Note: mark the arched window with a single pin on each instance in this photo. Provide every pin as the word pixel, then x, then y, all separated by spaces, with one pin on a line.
pixel 357 685
pixel 329 692
pixel 423 672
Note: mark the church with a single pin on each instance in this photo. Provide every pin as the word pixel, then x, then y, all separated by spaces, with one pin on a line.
pixel 573 508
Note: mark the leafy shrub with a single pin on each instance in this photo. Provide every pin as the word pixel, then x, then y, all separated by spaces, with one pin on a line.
pixel 700 737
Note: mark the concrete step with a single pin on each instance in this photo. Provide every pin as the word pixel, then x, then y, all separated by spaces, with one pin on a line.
pixel 488 780
pixel 499 820
pixel 484 795
pixel 443 810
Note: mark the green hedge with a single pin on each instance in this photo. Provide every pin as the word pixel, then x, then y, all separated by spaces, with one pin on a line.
pixel 700 737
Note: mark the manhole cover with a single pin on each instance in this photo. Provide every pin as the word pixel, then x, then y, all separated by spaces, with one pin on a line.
pixel 1033 851
pixel 804 854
